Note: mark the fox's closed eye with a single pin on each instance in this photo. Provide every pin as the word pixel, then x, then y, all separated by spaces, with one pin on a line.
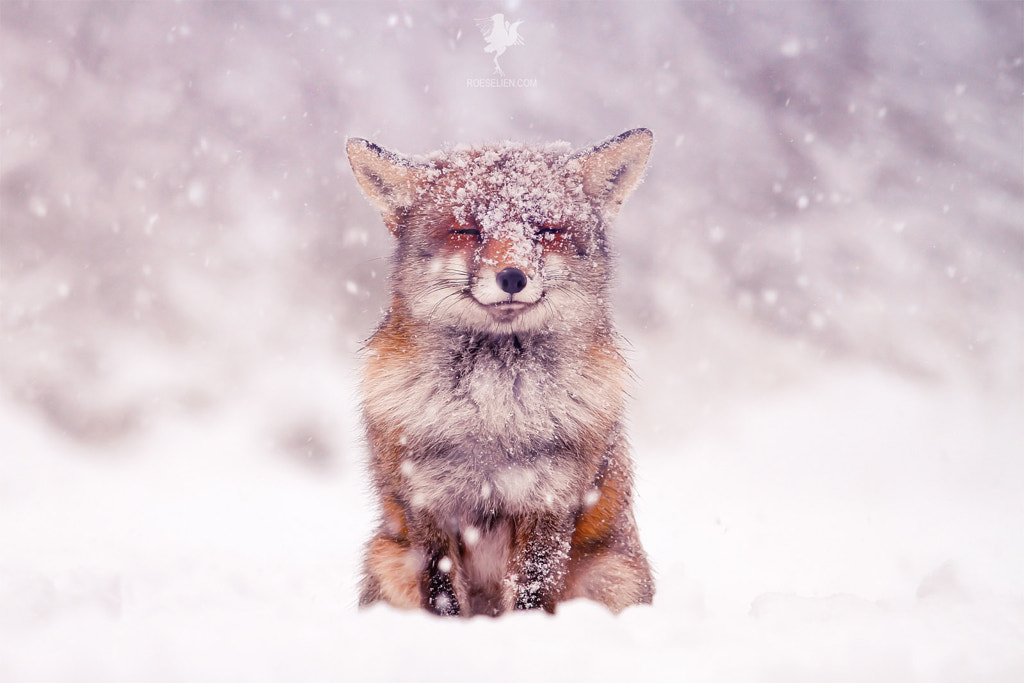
pixel 464 231
pixel 548 229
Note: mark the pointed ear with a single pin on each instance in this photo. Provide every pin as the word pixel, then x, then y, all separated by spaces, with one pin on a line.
pixel 388 179
pixel 613 168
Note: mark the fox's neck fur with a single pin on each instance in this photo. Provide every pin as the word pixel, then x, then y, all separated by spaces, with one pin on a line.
pixel 492 415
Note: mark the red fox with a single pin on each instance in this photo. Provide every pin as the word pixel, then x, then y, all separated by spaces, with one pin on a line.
pixel 493 389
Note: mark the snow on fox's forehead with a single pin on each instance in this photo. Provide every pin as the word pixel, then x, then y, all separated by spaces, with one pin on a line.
pixel 507 186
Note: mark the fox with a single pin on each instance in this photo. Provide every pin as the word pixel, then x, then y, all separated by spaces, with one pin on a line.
pixel 494 388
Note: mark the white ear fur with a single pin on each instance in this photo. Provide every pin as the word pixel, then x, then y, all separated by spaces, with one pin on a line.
pixel 612 169
pixel 388 179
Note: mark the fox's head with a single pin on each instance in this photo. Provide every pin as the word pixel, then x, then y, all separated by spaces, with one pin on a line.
pixel 503 239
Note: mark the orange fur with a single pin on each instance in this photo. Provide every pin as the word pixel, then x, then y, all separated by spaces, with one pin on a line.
pixel 396 568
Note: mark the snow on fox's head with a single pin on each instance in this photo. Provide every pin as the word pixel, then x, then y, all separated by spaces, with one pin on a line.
pixel 502 239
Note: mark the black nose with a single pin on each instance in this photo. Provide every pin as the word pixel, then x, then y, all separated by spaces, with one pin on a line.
pixel 512 280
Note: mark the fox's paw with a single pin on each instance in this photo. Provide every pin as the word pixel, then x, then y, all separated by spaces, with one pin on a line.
pixel 393 572
pixel 615 580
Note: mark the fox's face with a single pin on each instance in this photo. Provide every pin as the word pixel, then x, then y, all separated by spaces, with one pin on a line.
pixel 506 239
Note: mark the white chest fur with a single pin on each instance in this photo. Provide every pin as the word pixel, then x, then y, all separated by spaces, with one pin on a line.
pixel 494 424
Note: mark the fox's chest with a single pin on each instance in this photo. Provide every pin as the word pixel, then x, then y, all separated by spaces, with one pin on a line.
pixel 482 431
pixel 523 425
pixel 485 398
pixel 508 393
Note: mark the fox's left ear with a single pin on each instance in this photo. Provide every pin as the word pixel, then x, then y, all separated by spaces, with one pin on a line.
pixel 613 168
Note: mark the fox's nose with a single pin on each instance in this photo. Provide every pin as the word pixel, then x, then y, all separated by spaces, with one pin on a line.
pixel 512 280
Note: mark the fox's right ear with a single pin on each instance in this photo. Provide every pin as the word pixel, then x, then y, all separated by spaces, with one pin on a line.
pixel 388 179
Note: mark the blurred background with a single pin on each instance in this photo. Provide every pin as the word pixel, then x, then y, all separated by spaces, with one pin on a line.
pixel 188 268
pixel 831 181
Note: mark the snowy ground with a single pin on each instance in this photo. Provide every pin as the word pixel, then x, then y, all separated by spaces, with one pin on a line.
pixel 853 527
pixel 821 277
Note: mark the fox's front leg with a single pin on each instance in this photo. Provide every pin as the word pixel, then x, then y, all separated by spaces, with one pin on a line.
pixel 406 563
pixel 408 576
pixel 437 589
pixel 539 562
